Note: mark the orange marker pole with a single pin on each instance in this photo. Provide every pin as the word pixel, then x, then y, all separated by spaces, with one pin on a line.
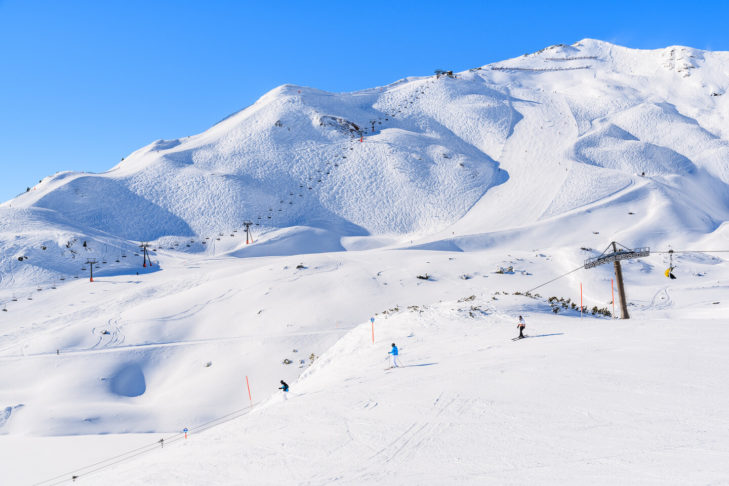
pixel 580 299
pixel 372 321
pixel 249 391
pixel 612 290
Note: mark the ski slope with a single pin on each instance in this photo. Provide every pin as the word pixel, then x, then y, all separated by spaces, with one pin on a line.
pixel 580 401
pixel 490 183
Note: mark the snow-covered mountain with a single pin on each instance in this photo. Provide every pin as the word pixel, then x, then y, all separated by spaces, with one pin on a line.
pixel 553 135
pixel 398 203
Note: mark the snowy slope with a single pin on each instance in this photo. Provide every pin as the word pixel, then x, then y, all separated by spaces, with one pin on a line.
pixel 573 404
pixel 150 372
pixel 554 134
pixel 534 163
pixel 581 400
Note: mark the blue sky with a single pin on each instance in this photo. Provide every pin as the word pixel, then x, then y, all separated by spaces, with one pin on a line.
pixel 85 83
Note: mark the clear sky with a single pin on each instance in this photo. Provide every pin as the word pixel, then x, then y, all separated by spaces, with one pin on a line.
pixel 85 83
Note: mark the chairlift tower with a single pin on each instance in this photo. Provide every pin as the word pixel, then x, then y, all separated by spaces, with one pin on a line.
pixel 91 262
pixel 616 256
pixel 145 254
pixel 248 225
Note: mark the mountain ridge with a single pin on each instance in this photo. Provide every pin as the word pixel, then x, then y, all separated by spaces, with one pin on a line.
pixel 502 146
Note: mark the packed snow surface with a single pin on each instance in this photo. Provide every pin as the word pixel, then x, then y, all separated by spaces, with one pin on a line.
pixel 431 205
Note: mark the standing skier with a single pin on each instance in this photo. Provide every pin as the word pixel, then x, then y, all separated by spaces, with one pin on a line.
pixel 285 387
pixel 521 325
pixel 394 352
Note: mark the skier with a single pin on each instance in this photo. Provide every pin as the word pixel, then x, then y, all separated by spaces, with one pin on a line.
pixel 521 325
pixel 285 387
pixel 394 352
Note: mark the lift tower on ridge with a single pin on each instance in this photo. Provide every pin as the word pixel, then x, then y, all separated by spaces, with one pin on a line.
pixel 248 225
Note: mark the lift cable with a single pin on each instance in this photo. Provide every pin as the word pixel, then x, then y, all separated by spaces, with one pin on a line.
pixel 556 278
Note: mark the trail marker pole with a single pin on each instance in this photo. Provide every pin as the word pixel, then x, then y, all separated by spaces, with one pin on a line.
pixel 612 291
pixel 185 431
pixel 372 321
pixel 249 391
pixel 581 299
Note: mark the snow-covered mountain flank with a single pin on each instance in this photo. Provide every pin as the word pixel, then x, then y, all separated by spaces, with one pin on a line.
pixel 431 205
pixel 553 135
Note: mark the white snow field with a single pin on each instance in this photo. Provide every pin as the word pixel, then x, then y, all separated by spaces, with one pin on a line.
pixel 400 203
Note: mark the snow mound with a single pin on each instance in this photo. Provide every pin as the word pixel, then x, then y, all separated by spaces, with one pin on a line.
pixel 611 147
pixel 128 381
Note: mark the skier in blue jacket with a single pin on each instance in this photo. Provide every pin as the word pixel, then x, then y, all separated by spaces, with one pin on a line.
pixel 285 388
pixel 394 352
